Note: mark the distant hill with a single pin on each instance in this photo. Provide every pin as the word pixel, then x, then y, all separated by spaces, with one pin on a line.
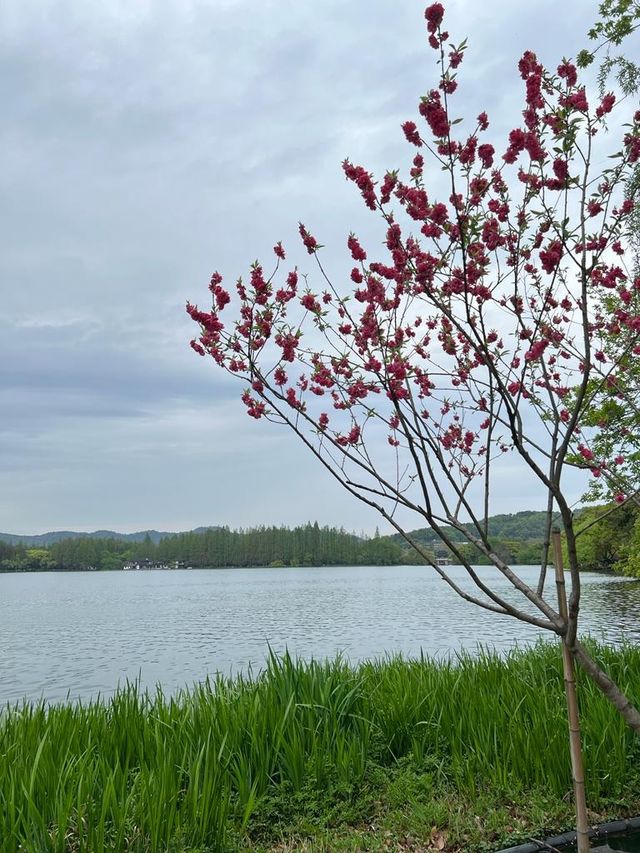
pixel 44 539
pixel 519 526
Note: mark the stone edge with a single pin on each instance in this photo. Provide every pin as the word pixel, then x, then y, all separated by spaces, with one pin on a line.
pixel 612 827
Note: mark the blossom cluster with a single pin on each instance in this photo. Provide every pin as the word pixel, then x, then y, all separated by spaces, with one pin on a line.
pixel 486 301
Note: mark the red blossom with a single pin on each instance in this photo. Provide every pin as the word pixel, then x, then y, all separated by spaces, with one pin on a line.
pixel 632 143
pixel 434 15
pixel 577 101
pixel 516 145
pixel 536 350
pixel 363 180
pixel 606 105
pixel 279 376
pixel 288 343
pixel 448 86
pixel 486 153
pixel 310 242
pixel 561 169
pixel 309 302
pixel 568 71
pixel 435 115
pixel 528 64
pixel 468 152
pixel 357 252
pixel 255 408
pixel 293 400
pixel 551 256
pixel 594 207
pixel 388 185
pixel 534 146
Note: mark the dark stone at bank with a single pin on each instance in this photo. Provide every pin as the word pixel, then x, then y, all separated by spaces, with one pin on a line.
pixel 612 828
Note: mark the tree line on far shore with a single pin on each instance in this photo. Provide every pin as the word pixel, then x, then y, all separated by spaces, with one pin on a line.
pixel 307 545
pixel 612 544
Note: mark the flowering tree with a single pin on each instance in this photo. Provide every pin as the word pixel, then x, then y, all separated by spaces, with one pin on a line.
pixel 479 340
pixel 478 336
pixel 614 411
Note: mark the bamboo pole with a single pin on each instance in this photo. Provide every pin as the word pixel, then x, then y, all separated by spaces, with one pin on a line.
pixel 568 664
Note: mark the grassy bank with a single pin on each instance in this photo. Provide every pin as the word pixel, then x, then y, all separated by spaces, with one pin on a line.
pixel 392 755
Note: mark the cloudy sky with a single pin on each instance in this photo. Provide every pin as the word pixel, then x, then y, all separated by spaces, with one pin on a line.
pixel 145 143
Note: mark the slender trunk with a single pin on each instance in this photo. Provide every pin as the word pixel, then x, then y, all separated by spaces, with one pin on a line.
pixel 609 688
pixel 577 769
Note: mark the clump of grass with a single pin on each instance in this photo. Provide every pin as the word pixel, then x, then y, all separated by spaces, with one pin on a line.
pixel 305 746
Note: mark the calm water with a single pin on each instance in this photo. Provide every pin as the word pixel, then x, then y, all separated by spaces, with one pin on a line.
pixel 79 634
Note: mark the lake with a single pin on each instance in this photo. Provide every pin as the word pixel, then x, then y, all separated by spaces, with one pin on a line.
pixel 79 634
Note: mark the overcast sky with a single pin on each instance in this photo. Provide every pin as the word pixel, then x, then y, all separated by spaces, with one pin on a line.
pixel 145 143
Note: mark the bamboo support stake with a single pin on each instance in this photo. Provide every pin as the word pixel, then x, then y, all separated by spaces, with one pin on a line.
pixel 568 663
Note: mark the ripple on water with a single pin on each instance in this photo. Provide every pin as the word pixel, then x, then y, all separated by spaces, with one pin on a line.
pixel 80 634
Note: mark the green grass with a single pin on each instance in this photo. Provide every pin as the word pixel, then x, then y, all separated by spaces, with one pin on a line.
pixel 392 755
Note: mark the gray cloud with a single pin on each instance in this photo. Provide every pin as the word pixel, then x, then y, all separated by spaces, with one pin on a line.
pixel 145 144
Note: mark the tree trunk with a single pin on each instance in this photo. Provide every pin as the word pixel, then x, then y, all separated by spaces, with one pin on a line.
pixel 609 688
pixel 568 664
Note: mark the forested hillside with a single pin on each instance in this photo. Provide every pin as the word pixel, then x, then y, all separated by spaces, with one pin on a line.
pixel 519 526
pixel 215 547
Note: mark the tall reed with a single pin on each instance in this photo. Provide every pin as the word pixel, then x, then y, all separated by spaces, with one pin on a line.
pixel 149 773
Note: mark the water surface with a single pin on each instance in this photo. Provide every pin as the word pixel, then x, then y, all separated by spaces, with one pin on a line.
pixel 78 634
